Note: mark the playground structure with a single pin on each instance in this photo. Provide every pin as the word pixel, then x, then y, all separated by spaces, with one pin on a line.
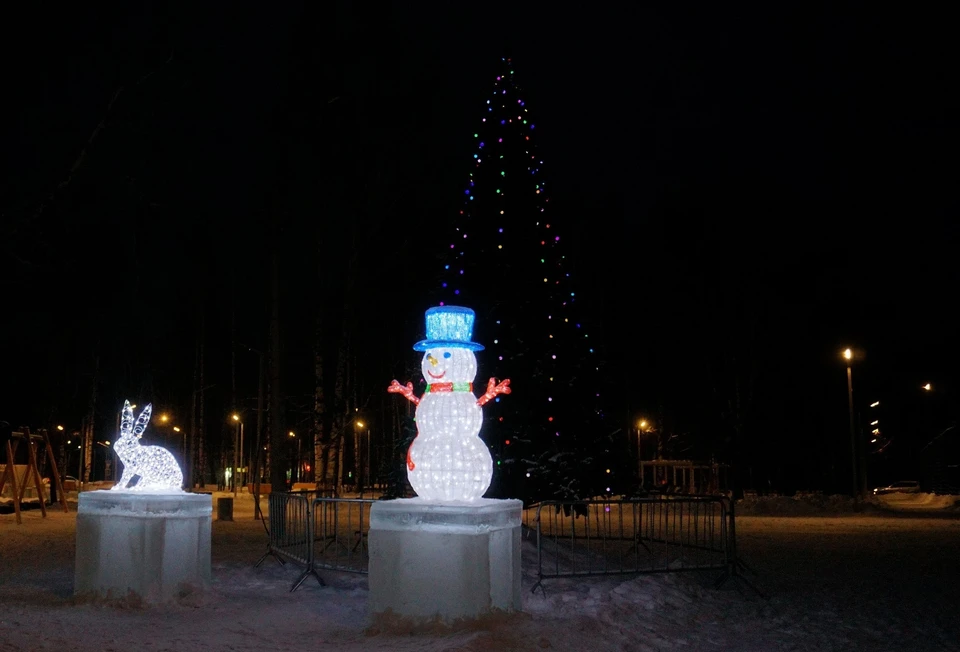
pixel 19 476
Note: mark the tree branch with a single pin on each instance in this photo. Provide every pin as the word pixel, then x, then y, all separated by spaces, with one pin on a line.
pixel 81 157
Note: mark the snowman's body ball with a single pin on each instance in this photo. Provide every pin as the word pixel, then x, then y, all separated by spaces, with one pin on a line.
pixel 450 462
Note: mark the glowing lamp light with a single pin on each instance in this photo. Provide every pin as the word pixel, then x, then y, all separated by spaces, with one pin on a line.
pixel 158 470
pixel 448 461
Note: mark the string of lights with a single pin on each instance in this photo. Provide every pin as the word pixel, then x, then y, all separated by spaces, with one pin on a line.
pixel 507 258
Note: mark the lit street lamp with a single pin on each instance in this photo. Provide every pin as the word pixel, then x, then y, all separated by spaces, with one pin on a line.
pixel 183 444
pixel 366 457
pixel 110 461
pixel 237 446
pixel 643 427
pixel 296 477
pixel 848 357
pixel 928 387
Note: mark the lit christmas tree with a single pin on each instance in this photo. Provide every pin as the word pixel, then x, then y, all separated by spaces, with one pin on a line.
pixel 506 258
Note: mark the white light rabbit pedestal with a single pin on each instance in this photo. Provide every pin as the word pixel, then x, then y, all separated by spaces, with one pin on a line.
pixel 448 554
pixel 156 546
pixel 151 540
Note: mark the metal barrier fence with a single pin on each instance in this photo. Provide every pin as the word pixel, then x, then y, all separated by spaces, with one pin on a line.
pixel 647 535
pixel 572 538
pixel 318 533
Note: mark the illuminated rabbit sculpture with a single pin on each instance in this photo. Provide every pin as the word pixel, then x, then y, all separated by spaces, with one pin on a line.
pixel 156 467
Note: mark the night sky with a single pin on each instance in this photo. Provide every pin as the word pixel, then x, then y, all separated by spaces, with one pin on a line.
pixel 750 191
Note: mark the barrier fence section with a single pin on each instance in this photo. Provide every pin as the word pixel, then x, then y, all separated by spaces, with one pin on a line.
pixel 646 535
pixel 318 532
pixel 340 541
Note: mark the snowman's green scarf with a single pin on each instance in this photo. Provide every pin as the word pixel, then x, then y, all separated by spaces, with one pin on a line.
pixel 449 387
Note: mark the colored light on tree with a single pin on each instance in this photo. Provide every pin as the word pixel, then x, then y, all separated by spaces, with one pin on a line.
pixel 512 265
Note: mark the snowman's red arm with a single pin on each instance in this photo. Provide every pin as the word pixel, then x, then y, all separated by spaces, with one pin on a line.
pixel 406 390
pixel 493 388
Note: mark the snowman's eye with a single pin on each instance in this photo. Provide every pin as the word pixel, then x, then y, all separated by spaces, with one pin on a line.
pixel 446 354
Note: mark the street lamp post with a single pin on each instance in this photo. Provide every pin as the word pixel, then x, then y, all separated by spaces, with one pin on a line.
pixel 365 466
pixel 295 472
pixel 109 461
pixel 183 442
pixel 79 462
pixel 848 356
pixel 237 439
pixel 241 473
pixel 641 426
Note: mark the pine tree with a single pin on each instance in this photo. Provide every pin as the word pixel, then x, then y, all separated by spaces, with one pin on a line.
pixel 506 257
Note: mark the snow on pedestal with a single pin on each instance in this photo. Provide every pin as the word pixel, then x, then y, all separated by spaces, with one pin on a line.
pixel 448 560
pixel 154 545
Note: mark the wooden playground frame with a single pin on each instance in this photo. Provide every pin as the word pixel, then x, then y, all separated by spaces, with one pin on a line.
pixel 33 441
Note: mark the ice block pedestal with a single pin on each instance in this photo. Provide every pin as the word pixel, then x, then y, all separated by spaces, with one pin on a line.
pixel 446 561
pixel 152 545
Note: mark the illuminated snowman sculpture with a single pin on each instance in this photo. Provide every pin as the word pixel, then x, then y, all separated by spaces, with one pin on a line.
pixel 448 460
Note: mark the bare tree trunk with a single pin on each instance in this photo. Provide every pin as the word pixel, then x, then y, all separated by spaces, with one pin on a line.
pixel 191 451
pixel 320 445
pixel 337 431
pixel 89 428
pixel 233 380
pixel 278 478
pixel 344 397
pixel 233 355
pixel 360 479
pixel 261 381
pixel 201 467
pixel 258 440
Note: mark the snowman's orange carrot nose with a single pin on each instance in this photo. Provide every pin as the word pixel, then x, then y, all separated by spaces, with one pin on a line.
pixel 432 360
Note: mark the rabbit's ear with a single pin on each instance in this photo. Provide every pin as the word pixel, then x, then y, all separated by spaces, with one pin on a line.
pixel 126 422
pixel 142 420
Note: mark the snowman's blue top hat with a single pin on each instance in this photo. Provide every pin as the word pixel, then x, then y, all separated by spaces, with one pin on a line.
pixel 449 326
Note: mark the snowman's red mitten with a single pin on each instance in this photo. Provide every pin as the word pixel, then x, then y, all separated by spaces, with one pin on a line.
pixel 406 390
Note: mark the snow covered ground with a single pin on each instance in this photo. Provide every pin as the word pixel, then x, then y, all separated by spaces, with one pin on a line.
pixel 837 577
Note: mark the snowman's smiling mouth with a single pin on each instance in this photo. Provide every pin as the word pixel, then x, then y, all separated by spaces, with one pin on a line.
pixel 433 375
